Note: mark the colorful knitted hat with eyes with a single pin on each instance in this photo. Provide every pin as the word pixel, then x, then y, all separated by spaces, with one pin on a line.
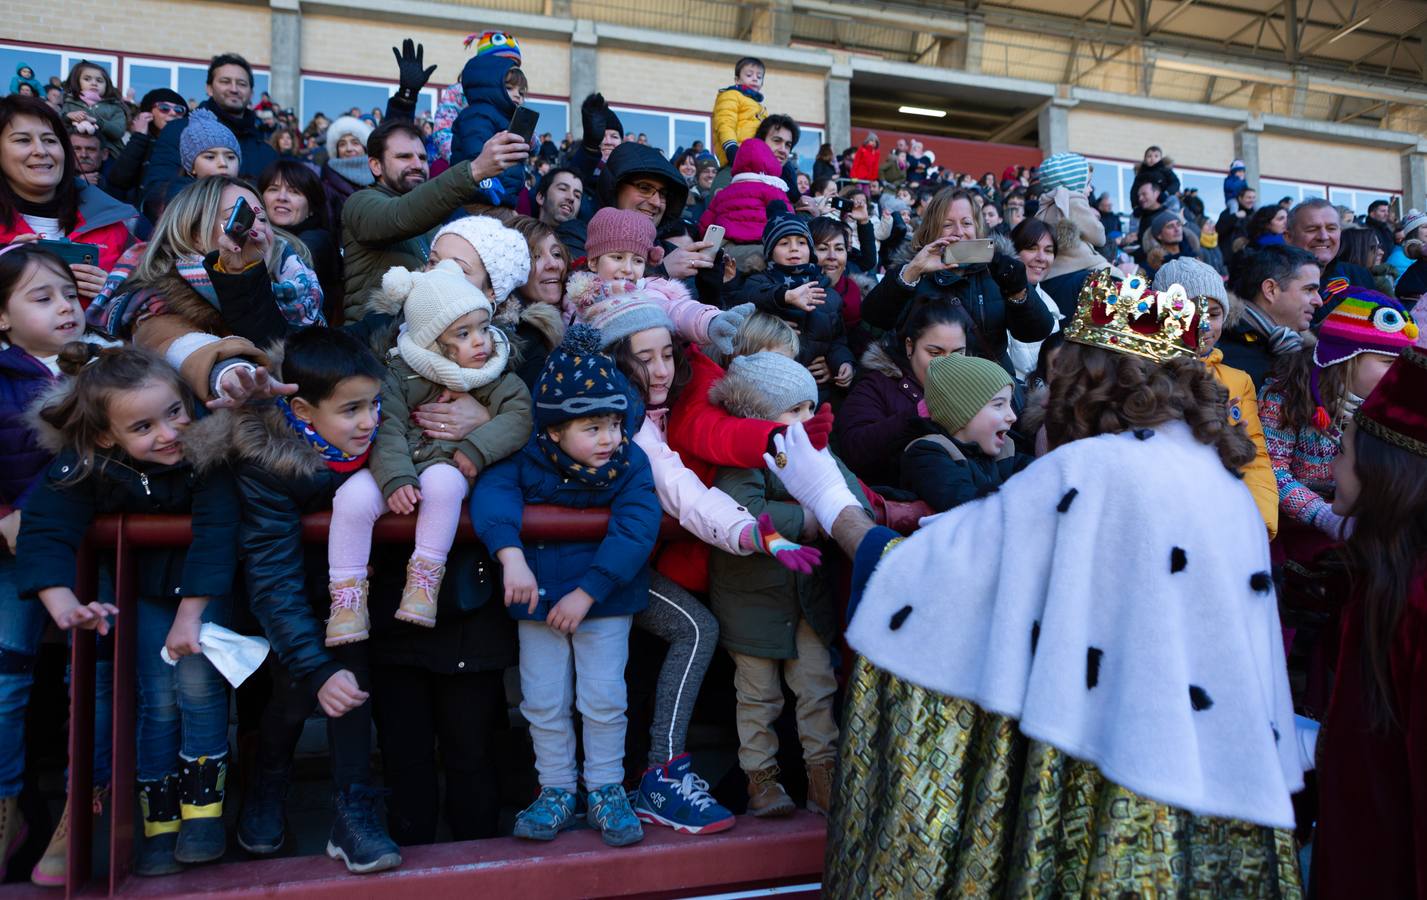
pixel 495 43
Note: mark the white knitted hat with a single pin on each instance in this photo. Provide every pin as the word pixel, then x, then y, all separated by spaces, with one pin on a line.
pixel 431 301
pixel 346 125
pixel 503 251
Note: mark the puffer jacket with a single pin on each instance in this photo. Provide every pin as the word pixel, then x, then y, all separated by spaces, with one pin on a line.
pixel 946 472
pixel 1244 407
pixel 613 570
pixel 866 162
pixel 23 378
pixel 742 207
pixel 488 111
pixel 736 114
pixel 821 331
pixel 102 221
pixel 878 418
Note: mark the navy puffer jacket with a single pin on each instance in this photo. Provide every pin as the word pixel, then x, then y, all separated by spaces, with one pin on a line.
pixel 488 111
pixel 22 460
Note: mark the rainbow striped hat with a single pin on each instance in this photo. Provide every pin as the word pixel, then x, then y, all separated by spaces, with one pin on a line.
pixel 495 43
pixel 1364 321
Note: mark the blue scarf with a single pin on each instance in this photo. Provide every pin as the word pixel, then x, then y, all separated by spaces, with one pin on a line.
pixel 595 476
pixel 337 460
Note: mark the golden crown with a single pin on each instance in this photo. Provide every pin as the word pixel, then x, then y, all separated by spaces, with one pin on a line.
pixel 1121 313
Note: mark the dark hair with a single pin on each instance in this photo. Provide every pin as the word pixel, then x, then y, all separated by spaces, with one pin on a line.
pixel 1357 245
pixel 622 352
pixel 1292 378
pixel 687 154
pixel 778 120
pixel 1373 206
pixel 1246 189
pixel 71 81
pixel 515 78
pixel 816 188
pixel 1052 343
pixel 748 61
pixel 16 261
pixel 1028 234
pixel 549 178
pixel 925 315
pixel 825 228
pixel 377 140
pixel 825 153
pixel 1384 553
pixel 67 191
pixel 1260 219
pixel 318 358
pixel 1095 391
pixel 228 59
pixel 1277 262
pixel 298 176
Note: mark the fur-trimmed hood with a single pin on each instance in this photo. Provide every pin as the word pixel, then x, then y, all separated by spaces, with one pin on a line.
pixel 739 396
pixel 879 359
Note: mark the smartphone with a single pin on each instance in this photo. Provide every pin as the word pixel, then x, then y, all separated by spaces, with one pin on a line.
pixel 240 222
pixel 968 253
pixel 523 121
pixel 73 254
pixel 841 204
pixel 712 235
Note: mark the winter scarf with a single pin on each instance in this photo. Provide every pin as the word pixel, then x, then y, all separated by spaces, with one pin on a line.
pixel 437 369
pixel 336 460
pixel 601 476
pixel 353 168
pixel 1282 340
pixel 795 276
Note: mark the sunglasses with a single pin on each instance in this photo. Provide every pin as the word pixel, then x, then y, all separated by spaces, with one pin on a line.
pixel 171 109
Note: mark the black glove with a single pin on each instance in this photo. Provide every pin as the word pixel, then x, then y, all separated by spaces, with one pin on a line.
pixel 1009 275
pixel 412 75
pixel 594 117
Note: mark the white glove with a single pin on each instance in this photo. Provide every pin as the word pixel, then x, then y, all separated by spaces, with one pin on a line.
pixel 811 476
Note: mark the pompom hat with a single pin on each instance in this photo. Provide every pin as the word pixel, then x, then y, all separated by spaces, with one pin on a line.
pixel 503 251
pixel 621 308
pixel 431 301
pixel 1068 170
pixel 204 132
pixel 579 381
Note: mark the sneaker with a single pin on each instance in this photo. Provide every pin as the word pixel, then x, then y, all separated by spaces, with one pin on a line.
pixel 347 620
pixel 766 797
pixel 358 837
pixel 50 870
pixel 159 807
pixel 423 586
pixel 611 813
pixel 261 828
pixel 201 787
pixel 551 813
pixel 820 786
pixel 674 796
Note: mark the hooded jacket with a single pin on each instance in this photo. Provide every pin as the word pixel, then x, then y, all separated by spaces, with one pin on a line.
pixel 878 418
pixel 102 221
pixel 17 79
pixel 1078 231
pixel 1161 175
pixel 736 114
pixel 821 331
pixel 488 111
pixel 110 115
pixel 630 160
pixel 165 166
pixel 1244 407
pixel 742 207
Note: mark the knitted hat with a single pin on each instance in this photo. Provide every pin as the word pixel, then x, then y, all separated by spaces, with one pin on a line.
pixel 777 382
pixel 1236 166
pixel 782 223
pixel 204 132
pixel 1067 170
pixel 1161 219
pixel 959 386
pixel 503 251
pixel 1364 321
pixel 620 308
pixel 495 43
pixel 344 126
pixel 161 95
pixel 1414 220
pixel 430 302
pixel 615 230
pixel 578 380
pixel 1394 411
pixel 1197 277
pixel 706 161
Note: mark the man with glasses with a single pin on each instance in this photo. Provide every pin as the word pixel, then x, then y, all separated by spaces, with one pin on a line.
pixel 159 107
pixel 639 177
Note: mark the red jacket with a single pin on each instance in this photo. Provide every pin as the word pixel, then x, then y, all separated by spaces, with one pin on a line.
pixel 866 162
pixel 102 220
pixel 742 207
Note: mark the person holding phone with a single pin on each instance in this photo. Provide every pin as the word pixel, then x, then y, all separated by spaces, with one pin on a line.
pixel 495 88
pixel 993 293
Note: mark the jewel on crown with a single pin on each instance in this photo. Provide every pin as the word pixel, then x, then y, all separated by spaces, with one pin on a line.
pixel 1122 313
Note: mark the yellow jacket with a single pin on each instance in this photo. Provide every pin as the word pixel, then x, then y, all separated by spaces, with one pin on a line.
pixel 735 119
pixel 1244 407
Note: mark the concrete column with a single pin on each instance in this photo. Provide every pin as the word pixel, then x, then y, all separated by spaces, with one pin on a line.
pixel 584 73
pixel 1414 178
pixel 1246 147
pixel 772 24
pixel 839 107
pixel 1300 92
pixel 974 42
pixel 286 65
pixel 1054 126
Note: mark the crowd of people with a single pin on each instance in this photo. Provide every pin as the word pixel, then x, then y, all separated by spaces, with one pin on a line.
pixel 210 312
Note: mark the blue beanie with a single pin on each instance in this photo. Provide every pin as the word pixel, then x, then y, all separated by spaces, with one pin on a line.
pixel 781 223
pixel 1067 170
pixel 204 132
pixel 579 380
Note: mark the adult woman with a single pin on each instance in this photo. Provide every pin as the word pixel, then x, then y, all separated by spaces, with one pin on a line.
pixel 1267 225
pixel 994 294
pixel 831 240
pixel 687 167
pixel 824 164
pixel 1040 646
pixel 531 315
pixel 285 141
pixel 881 412
pixel 42 197
pixel 346 171
pixel 294 200
pixel 868 159
pixel 1166 239
pixel 159 107
pixel 1034 241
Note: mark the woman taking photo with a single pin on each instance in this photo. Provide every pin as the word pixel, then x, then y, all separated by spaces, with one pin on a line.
pixel 294 200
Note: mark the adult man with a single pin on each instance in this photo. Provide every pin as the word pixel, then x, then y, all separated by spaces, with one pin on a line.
pixel 90 156
pixel 1148 200
pixel 386 224
pixel 1314 225
pixel 1380 221
pixel 1280 287
pixel 781 134
pixel 558 197
pixel 602 133
pixel 641 178
pixel 1233 222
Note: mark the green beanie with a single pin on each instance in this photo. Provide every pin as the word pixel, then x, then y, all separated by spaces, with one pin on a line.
pixel 959 386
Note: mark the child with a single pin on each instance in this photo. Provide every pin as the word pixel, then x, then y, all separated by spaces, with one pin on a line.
pixel 741 209
pixel 494 86
pixel 24 77
pixel 447 344
pixel 763 331
pixel 738 109
pixel 969 452
pixel 291 458
pixel 574 599
pixel 795 289
pixel 1371 771
pixel 207 147
pixel 773 620
pixel 122 431
pixel 1234 185
pixel 90 97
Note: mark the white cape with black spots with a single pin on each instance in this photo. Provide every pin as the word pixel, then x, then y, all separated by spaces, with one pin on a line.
pixel 1159 562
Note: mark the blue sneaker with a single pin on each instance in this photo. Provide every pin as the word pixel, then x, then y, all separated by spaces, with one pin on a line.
pixel 551 813
pixel 610 812
pixel 673 795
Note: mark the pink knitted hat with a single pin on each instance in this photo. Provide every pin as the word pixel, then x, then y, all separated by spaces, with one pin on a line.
pixel 622 231
pixel 620 308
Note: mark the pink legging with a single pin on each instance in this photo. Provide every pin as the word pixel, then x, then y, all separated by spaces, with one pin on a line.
pixel 358 504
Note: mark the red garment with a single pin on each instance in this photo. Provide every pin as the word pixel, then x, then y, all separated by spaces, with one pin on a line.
pixel 113 238
pixel 706 437
pixel 851 296
pixel 1372 822
pixel 866 163
pixel 742 207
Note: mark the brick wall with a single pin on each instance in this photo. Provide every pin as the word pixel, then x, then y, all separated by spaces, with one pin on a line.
pixel 146 27
pixel 1121 136
pixel 650 79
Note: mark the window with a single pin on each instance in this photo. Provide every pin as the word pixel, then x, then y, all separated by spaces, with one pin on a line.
pixel 1271 190
pixel 1210 186
pixel 189 79
pixel 1114 178
pixel 668 131
pixel 554 117
pixel 809 140
pixel 48 63
pixel 1358 199
pixel 334 97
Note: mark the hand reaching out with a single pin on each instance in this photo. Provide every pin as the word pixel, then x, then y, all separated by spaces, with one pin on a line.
pixel 806 297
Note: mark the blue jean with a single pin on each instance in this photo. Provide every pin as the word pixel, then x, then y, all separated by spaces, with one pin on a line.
pixel 22 625
pixel 182 709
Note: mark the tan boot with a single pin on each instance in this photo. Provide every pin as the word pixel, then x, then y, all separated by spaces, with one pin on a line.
pixel 49 871
pixel 820 786
pixel 13 830
pixel 766 796
pixel 347 622
pixel 418 598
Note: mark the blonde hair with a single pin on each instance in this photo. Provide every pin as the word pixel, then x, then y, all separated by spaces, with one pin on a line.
pixel 762 331
pixel 930 227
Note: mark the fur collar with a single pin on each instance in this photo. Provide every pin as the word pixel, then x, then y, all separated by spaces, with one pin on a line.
pixel 261 437
pixel 739 396
pixel 770 180
pixel 878 359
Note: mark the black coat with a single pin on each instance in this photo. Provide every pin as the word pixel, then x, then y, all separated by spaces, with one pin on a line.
pixel 821 332
pixel 1161 175
pixel 1245 349
pixel 946 472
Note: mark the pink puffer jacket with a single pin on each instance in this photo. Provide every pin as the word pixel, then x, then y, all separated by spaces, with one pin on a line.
pixel 742 207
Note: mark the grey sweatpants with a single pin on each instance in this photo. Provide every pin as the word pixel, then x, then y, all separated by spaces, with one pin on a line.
pixel 678 618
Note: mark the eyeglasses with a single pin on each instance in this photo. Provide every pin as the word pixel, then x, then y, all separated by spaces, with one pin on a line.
pixel 650 188
pixel 172 109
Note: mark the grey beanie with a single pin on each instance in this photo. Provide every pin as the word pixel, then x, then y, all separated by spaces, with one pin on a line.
pixel 1197 277
pixel 779 381
pixel 1160 220
pixel 204 132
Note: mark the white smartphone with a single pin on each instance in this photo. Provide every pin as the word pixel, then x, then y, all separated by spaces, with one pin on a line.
pixel 712 235
pixel 968 253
